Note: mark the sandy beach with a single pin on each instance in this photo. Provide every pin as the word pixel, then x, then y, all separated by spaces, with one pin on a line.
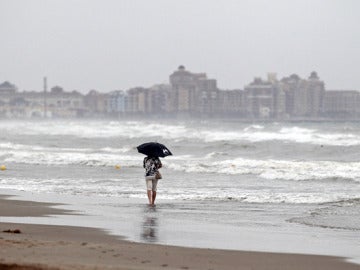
pixel 66 247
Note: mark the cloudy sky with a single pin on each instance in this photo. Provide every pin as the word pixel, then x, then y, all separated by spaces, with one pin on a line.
pixel 119 44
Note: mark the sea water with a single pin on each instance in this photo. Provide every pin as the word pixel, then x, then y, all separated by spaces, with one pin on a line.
pixel 292 187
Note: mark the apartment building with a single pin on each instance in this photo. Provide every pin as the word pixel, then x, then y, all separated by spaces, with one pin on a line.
pixel 96 103
pixel 160 99
pixel 315 93
pixel 193 93
pixel 116 103
pixel 341 104
pixel 64 104
pixel 232 103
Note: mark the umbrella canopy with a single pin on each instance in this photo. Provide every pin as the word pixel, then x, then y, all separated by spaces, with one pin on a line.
pixel 154 149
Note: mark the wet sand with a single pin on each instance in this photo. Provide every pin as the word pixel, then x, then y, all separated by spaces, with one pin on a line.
pixel 66 247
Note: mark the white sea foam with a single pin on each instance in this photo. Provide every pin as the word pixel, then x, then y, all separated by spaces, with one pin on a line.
pixel 253 127
pixel 274 169
pixel 70 158
pixel 285 134
pixel 177 132
pixel 94 129
pixel 293 170
pixel 16 146
pixel 124 149
pixel 8 146
pixel 339 215
pixel 131 189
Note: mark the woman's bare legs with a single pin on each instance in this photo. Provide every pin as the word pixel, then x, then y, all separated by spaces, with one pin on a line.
pixel 151 196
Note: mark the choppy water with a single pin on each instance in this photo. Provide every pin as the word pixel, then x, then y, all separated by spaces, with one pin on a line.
pixel 303 173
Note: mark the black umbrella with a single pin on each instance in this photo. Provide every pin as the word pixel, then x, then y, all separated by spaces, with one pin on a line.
pixel 154 149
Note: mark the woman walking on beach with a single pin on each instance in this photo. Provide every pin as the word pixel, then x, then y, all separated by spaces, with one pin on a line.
pixel 152 175
pixel 152 164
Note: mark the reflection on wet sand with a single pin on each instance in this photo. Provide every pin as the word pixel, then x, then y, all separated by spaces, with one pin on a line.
pixel 149 226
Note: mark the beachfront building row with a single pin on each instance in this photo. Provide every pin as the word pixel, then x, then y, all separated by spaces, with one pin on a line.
pixel 189 95
pixel 28 104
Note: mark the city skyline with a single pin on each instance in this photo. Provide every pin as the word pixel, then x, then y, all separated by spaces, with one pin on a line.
pixel 87 45
pixel 190 94
pixel 85 91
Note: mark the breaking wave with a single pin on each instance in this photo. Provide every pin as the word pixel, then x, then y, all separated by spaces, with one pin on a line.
pixel 181 131
pixel 334 215
pixel 274 169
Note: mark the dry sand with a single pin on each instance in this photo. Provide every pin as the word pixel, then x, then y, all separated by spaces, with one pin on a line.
pixel 65 247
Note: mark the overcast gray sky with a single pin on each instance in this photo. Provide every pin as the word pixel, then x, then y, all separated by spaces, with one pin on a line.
pixel 119 44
